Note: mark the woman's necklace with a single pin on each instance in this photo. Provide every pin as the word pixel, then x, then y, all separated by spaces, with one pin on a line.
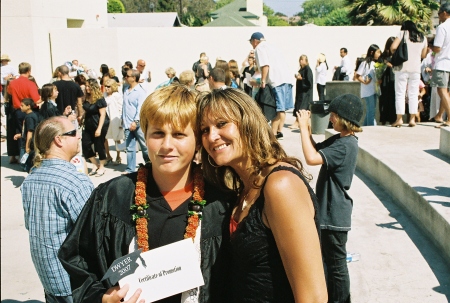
pixel 139 209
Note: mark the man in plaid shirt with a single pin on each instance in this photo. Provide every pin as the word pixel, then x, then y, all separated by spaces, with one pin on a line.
pixel 53 195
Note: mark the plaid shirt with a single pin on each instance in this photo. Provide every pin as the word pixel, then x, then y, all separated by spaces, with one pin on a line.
pixel 53 196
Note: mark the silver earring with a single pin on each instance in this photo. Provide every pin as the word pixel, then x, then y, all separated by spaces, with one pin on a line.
pixel 209 160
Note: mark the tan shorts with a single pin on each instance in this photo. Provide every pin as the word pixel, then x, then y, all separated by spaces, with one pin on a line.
pixel 440 78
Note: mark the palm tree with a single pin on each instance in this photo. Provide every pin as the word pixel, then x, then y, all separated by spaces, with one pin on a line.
pixel 392 12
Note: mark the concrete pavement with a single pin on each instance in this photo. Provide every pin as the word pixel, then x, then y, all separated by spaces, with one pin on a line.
pixel 398 261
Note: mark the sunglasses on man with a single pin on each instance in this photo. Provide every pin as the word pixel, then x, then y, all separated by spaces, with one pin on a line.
pixel 72 133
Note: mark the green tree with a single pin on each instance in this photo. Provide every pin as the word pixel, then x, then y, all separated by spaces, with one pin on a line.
pixel 338 17
pixel 319 8
pixel 392 12
pixel 115 6
pixel 272 18
pixel 196 12
pixel 168 6
pixel 139 6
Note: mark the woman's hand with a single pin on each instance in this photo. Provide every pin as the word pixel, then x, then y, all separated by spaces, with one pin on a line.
pixel 17 136
pixel 116 294
pixel 98 132
pixel 67 110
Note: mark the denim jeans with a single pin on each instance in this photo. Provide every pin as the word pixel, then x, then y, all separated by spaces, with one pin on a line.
pixel 283 97
pixel 371 103
pixel 130 141
pixel 334 253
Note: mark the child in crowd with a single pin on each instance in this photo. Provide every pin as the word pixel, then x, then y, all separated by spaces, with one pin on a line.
pixel 29 125
pixel 49 93
pixel 337 155
pixel 422 92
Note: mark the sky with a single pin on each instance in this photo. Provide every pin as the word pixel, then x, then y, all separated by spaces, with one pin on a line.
pixel 287 7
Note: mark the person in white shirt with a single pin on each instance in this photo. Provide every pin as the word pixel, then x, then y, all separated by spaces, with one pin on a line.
pixel 321 76
pixel 274 72
pixel 345 65
pixel 146 75
pixel 366 75
pixel 407 76
pixel 441 71
pixel 9 72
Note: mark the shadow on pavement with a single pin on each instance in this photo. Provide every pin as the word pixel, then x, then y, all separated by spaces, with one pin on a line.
pixel 437 191
pixel 16 180
pixel 436 153
pixel 428 250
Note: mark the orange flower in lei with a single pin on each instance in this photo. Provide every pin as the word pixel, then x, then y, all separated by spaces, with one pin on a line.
pixel 139 209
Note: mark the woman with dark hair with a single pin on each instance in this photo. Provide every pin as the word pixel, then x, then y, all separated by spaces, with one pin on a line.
pixel 303 88
pixel 407 75
pixel 366 75
pixel 387 86
pixel 104 70
pixel 96 123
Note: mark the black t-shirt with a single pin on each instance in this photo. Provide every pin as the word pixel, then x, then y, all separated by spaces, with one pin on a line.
pixel 29 124
pixel 92 116
pixel 335 177
pixel 69 92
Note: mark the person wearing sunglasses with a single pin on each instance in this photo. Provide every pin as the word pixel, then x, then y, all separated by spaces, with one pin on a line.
pixel 49 217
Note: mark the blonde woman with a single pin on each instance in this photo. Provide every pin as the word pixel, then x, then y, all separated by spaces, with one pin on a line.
pixel 112 75
pixel 114 100
pixel 96 123
pixel 187 78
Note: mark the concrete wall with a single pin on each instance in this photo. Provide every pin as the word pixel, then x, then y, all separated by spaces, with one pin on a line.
pixel 180 47
pixel 26 24
pixel 36 31
pixel 444 141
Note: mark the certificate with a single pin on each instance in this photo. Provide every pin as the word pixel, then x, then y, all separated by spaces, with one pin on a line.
pixel 170 269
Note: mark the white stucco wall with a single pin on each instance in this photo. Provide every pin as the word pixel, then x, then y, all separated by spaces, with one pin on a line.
pixel 180 47
pixel 29 27
pixel 26 24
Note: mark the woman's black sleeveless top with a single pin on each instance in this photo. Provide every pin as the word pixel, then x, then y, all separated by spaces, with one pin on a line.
pixel 257 273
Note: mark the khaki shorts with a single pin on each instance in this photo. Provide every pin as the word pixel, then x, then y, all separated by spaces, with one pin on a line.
pixel 440 78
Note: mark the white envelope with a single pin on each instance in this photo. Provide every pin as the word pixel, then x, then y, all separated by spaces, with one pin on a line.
pixel 171 269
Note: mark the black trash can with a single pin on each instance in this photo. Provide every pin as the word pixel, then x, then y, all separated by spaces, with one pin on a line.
pixel 319 116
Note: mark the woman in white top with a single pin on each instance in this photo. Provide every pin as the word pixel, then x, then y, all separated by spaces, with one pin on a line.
pixel 366 75
pixel 114 100
pixel 321 75
pixel 407 75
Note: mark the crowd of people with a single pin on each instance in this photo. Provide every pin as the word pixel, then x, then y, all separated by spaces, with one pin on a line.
pixel 214 168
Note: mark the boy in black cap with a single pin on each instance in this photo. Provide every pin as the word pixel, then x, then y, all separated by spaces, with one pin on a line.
pixel 337 155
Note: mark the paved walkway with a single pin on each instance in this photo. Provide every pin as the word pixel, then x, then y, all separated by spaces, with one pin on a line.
pixel 398 264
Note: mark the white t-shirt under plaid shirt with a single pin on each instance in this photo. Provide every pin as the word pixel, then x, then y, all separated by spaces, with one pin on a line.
pixel 53 196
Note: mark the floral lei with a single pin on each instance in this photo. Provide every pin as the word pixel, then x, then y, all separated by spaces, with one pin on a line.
pixel 139 209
